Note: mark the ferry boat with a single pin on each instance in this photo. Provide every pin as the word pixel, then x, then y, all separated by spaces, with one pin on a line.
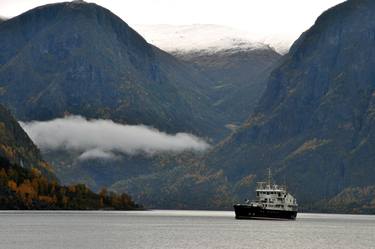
pixel 272 202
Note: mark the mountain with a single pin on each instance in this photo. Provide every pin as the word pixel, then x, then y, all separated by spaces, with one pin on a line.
pixel 236 63
pixel 27 181
pixel 79 58
pixel 314 125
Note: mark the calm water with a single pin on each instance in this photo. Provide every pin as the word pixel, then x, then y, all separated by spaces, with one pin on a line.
pixel 180 229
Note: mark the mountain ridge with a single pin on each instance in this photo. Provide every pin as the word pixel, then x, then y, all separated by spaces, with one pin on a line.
pixel 313 123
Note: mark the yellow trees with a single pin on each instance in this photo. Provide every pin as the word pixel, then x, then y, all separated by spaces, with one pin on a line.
pixel 102 196
pixel 26 191
pixel 12 185
pixel 3 174
pixel 32 190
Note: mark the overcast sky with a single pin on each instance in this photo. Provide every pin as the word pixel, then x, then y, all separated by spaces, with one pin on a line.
pixel 284 19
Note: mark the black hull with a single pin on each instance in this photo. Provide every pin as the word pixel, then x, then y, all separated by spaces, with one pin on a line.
pixel 244 211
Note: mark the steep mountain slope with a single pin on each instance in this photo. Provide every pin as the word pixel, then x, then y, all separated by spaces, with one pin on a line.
pixel 314 126
pixel 16 147
pixel 237 64
pixel 80 58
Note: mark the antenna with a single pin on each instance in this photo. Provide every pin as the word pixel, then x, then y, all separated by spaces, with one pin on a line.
pixel 285 185
pixel 269 177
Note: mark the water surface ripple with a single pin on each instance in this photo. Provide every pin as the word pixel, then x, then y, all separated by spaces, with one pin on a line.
pixel 180 229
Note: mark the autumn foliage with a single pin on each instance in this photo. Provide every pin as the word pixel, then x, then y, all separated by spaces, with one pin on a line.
pixel 22 188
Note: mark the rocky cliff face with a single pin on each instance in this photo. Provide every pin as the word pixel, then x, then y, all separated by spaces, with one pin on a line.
pixel 314 125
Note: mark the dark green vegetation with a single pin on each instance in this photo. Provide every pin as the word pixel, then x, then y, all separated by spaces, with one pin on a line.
pixel 27 182
pixel 315 124
pixel 350 200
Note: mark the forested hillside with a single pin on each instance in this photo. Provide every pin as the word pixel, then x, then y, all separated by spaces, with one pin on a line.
pixel 27 182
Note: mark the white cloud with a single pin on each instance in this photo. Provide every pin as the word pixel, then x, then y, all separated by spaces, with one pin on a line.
pixel 97 154
pixel 105 139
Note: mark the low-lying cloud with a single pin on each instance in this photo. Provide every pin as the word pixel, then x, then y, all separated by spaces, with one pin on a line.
pixel 105 139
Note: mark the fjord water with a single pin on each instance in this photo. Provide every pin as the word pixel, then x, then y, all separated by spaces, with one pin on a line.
pixel 180 229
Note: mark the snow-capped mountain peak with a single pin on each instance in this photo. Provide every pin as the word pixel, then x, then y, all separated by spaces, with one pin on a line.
pixel 201 37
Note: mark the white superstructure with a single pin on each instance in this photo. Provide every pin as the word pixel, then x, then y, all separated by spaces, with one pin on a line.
pixel 272 196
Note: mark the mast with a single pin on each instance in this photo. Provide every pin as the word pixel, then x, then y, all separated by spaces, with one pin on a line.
pixel 269 177
pixel 286 188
